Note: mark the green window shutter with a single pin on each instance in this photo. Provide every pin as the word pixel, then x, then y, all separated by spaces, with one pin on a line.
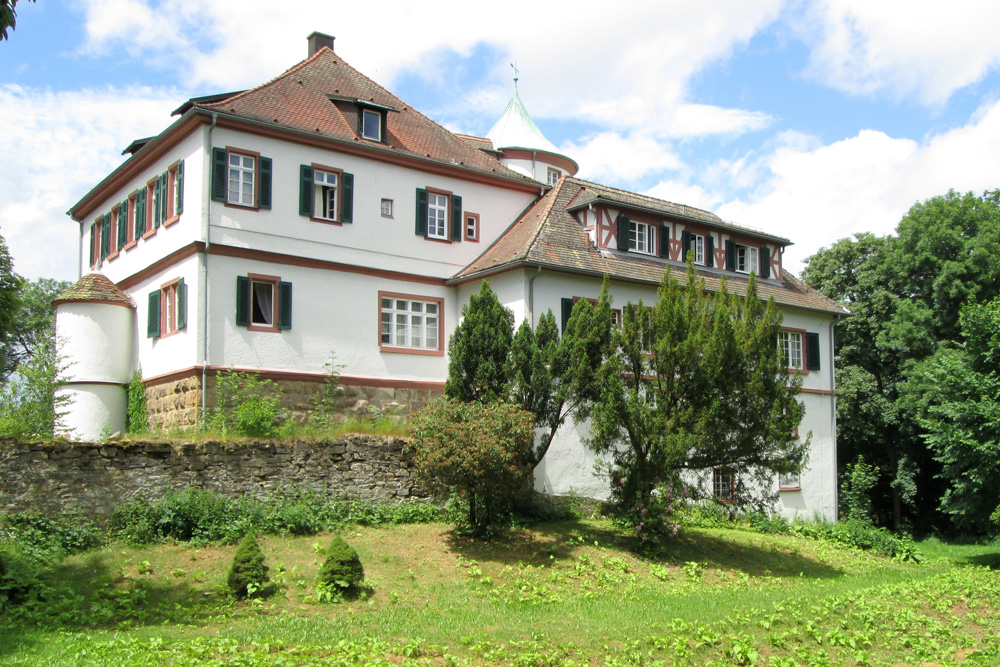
pixel 264 193
pixel 164 196
pixel 421 212
pixel 179 203
pixel 105 236
pixel 122 224
pixel 765 262
pixel 456 218
pixel 93 244
pixel 664 233
pixel 182 300
pixel 567 310
pixel 157 198
pixel 305 190
pixel 730 255
pixel 347 197
pixel 284 305
pixel 140 213
pixel 622 232
pixel 153 316
pixel 219 179
pixel 812 351
pixel 685 245
pixel 709 250
pixel 242 301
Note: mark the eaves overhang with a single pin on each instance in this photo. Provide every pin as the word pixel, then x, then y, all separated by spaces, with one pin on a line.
pixel 532 264
pixel 195 116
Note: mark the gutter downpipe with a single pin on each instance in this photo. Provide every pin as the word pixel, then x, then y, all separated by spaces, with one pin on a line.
pixel 531 296
pixel 206 230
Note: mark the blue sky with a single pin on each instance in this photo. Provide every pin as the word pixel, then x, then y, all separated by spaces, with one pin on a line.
pixel 810 120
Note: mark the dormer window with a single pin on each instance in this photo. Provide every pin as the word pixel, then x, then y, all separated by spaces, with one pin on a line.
pixel 746 259
pixel 371 124
pixel 641 237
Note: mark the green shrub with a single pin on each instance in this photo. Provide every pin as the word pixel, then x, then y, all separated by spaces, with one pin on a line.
pixel 342 570
pixel 476 450
pixel 19 574
pixel 855 491
pixel 29 406
pixel 48 538
pixel 247 405
pixel 248 574
pixel 136 414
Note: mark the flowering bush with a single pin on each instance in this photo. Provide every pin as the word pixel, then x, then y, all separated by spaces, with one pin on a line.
pixel 655 519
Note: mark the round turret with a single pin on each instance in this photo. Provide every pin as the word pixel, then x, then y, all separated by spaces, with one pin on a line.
pixel 95 338
pixel 524 149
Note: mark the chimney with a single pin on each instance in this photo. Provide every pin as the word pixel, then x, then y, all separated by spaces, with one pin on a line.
pixel 318 40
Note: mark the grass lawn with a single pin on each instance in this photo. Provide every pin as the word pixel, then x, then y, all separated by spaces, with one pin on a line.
pixel 563 593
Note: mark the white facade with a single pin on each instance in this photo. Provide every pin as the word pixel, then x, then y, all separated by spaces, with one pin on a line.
pixel 375 287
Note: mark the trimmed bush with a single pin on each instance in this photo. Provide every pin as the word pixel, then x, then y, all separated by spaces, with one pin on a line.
pixel 248 573
pixel 342 569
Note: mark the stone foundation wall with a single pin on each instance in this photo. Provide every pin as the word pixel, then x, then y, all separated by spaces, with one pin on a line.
pixel 92 478
pixel 177 403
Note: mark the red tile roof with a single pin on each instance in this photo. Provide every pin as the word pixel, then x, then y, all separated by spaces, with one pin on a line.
pixel 549 235
pixel 93 287
pixel 300 99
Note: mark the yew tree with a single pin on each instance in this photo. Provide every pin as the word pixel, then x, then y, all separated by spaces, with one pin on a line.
pixel 695 382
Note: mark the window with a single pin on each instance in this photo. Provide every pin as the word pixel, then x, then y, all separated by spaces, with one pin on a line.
pixel 95 242
pixel 439 215
pixel 746 259
pixel 553 176
pixel 242 169
pixel 791 348
pixel 167 312
pixel 241 178
pixel 410 323
pixel 386 208
pixel 263 303
pixel 698 245
pixel 789 482
pixel 371 124
pixel 325 193
pixel 472 227
pixel 140 214
pixel 641 237
pixel 723 485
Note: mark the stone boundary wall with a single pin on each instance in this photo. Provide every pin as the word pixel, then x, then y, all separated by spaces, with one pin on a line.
pixel 92 478
pixel 177 403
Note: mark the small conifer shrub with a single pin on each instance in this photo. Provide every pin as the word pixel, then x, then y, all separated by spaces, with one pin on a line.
pixel 342 569
pixel 248 575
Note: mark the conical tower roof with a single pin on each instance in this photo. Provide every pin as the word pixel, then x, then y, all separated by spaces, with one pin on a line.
pixel 515 129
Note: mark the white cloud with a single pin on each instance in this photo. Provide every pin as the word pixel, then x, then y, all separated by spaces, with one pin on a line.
pixel 64 143
pixel 815 196
pixel 927 49
pixel 614 157
pixel 622 68
pixel 685 193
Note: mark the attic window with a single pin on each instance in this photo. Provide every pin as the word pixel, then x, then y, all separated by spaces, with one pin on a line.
pixel 371 124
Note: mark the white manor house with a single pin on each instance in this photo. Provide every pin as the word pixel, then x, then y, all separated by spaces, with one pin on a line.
pixel 319 216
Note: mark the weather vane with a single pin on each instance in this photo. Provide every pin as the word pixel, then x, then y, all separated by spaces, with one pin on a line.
pixel 516 72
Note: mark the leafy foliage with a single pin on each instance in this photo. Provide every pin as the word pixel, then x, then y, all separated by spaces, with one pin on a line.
pixel 206 517
pixel 32 322
pixel 958 392
pixel 10 282
pixel 905 293
pixel 477 450
pixel 696 382
pixel 342 569
pixel 8 17
pixel 136 415
pixel 29 406
pixel 248 573
pixel 855 491
pixel 247 405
